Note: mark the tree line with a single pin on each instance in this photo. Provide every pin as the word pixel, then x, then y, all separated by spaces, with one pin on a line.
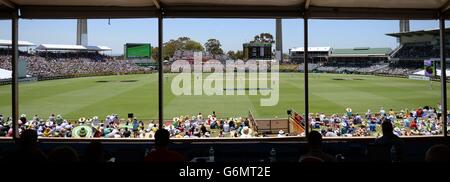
pixel 212 46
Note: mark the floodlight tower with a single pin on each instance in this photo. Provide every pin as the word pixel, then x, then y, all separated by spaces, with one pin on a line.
pixel 279 40
pixel 82 36
pixel 404 27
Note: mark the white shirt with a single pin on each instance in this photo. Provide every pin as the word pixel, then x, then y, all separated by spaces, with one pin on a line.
pixel 331 134
pixel 226 127
pixel 322 117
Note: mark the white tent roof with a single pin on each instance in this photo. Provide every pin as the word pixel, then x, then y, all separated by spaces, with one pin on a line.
pixel 311 49
pixel 21 43
pixel 438 72
pixel 60 47
pixel 98 48
pixel 5 74
pixel 71 47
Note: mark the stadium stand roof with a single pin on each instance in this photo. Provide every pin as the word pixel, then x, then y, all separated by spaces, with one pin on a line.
pixel 265 44
pixel 21 43
pixel 64 47
pixel 360 52
pixel 311 49
pixel 98 48
pixel 339 9
pixel 417 32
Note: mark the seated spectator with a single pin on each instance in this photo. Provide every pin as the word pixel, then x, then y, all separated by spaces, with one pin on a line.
pixel 162 153
pixel 438 153
pixel 27 148
pixel 391 141
pixel 315 153
pixel 95 152
pixel 127 133
pixel 63 154
pixel 330 133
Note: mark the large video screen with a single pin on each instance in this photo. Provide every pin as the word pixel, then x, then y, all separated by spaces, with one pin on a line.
pixel 138 50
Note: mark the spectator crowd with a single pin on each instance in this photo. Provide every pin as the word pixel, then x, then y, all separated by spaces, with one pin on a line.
pixel 424 121
pixel 73 64
pixel 114 127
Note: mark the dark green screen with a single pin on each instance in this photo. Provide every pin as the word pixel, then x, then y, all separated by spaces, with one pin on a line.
pixel 139 51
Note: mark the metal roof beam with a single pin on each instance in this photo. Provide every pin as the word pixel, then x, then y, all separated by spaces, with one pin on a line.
pixel 307 4
pixel 90 12
pixel 445 7
pixel 371 13
pixel 183 11
pixel 157 4
pixel 8 4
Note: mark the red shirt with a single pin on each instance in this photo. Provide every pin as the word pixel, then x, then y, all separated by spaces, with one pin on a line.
pixel 298 118
pixel 419 112
pixel 413 125
pixel 164 155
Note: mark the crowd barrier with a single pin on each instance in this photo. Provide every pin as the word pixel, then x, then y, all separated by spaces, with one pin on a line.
pixel 238 149
pixel 272 126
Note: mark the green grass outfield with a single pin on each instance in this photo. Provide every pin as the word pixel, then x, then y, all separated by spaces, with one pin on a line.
pixel 329 93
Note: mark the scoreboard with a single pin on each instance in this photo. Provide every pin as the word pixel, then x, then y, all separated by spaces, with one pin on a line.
pixel 137 50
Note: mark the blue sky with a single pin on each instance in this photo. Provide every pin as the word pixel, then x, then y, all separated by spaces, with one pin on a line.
pixel 231 32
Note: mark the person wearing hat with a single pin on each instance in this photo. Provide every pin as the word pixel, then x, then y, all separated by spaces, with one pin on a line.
pixel 187 125
pixel 82 132
pixel 246 133
pixel 95 121
pixel 23 118
pixel 46 132
pixel 59 120
pixel 239 122
pixel 349 111
pixel 151 125
pixel 175 122
pixel 281 133
pixel 81 120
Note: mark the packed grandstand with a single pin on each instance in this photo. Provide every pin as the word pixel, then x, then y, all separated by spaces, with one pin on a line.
pixel 71 64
